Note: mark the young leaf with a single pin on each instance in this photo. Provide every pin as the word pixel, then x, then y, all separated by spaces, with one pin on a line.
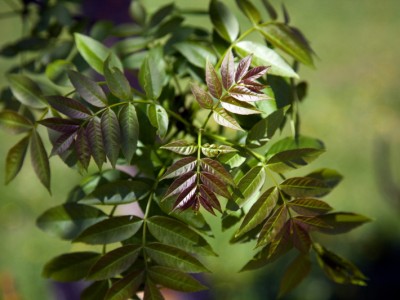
pixel 215 184
pixel 249 10
pixel 95 139
pixel 310 223
pixel 208 199
pixel 260 210
pixel 214 167
pixel 203 98
pixel 273 226
pixel 181 147
pixel 284 37
pixel 114 262
pixel 225 23
pixel 196 53
pixel 15 159
pixel 111 230
pixel 152 73
pixel 215 150
pixel 181 183
pixel 304 187
pixel 111 135
pixel 250 184
pixel 176 233
pixel 129 125
pixel 264 56
pixel 213 83
pixel 294 274
pixel 70 267
pixel 63 143
pixel 242 93
pixel 82 148
pixel 300 236
pixel 126 287
pixel 174 279
pixel 14 122
pixel 60 125
pixel 223 118
pixel 243 66
pixel 88 89
pixel 173 257
pixel 69 220
pixel 69 107
pixel 342 222
pixel 238 107
pixel 187 198
pixel 337 268
pixel 26 90
pixel 116 81
pixel 309 206
pixel 180 167
pixel 39 159
pixel 158 117
pixel 228 70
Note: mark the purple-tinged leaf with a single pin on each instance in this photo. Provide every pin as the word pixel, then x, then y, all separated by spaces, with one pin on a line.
pixel 129 125
pixel 255 73
pixel 111 135
pixel 242 93
pixel 209 197
pixel 300 236
pixel 95 139
pixel 260 210
pixel 63 143
pixel 253 86
pixel 82 148
pixel 60 125
pixel 222 117
pixel 239 107
pixel 181 147
pixel 14 122
pixel 329 176
pixel 187 198
pixel 116 81
pixel 342 222
pixel 310 223
pixel 215 150
pixel 228 70
pixel 242 68
pixel 205 203
pixel 294 274
pixel 15 159
pixel 180 167
pixel 304 187
pixel 202 97
pixel 126 287
pixel 212 166
pixel 250 184
pixel 215 184
pixel 309 206
pixel 181 183
pixel 88 89
pixel 273 226
pixel 39 159
pixel 69 107
pixel 213 83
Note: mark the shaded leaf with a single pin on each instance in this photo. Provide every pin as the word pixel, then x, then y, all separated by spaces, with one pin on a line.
pixel 304 187
pixel 56 71
pixel 270 9
pixel 180 167
pixel 309 206
pixel 60 125
pixel 129 125
pixel 158 117
pixel 175 279
pixel 228 70
pixel 111 135
pixel 342 222
pixel 70 267
pixel 196 53
pixel 250 184
pixel 213 82
pixel 15 159
pixel 95 139
pixel 116 81
pixel 176 233
pixel 300 236
pixel 180 147
pixel 126 287
pixel 215 184
pixel 114 262
pixel 82 148
pixel 239 107
pixel 26 90
pixel 294 274
pixel 63 143
pixel 88 89
pixel 223 118
pixel 203 98
pixel 151 291
pixel 111 230
pixel 39 159
pixel 97 290
pixel 224 21
pixel 214 167
pixel 249 10
pixel 173 257
pixel 272 226
pixel 69 107
pixel 14 122
pixel 181 183
pixel 329 176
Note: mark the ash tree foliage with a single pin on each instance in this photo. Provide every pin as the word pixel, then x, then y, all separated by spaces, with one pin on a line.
pixel 183 120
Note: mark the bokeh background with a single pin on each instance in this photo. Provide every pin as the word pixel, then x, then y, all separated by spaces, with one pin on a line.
pixel 353 105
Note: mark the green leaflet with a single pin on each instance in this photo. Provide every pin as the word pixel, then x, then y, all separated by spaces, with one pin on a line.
pixel 272 226
pixel 39 159
pixel 158 117
pixel 249 10
pixel 151 291
pixel 70 267
pixel 15 159
pixel 69 220
pixel 250 184
pixel 57 70
pixel 14 122
pixel 95 141
pixel 196 53
pixel 111 230
pixel 114 262
pixel 116 81
pixel 341 222
pixel 225 23
pixel 294 274
pixel 124 288
pixel 181 147
pixel 175 233
pixel 129 125
pixel 175 279
pixel 97 290
pixel 215 150
pixel 88 89
pixel 26 91
pixel 152 73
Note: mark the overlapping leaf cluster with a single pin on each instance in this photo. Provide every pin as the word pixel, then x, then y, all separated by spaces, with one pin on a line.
pixel 130 110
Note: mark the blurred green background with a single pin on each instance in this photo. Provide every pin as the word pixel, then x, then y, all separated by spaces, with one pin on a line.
pixel 353 105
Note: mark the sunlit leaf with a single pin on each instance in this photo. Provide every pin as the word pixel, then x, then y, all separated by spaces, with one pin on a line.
pixel 242 93
pixel 180 167
pixel 309 206
pixel 56 71
pixel 111 135
pixel 249 10
pixel 203 98
pixel 14 122
pixel 114 262
pixel 88 89
pixel 213 82
pixel 39 159
pixel 70 267
pixel 342 222
pixel 329 176
pixel 187 198
pixel 304 187
pixel 181 147
pixel 69 220
pixel 215 184
pixel 215 150
pixel 26 90
pixel 294 274
pixel 158 117
pixel 233 160
pixel 95 139
pixel 228 70
pixel 239 107
pixel 176 233
pixel 181 183
pixel 214 167
pixel 173 257
pixel 250 184
pixel 175 279
pixel 223 118
pixel 129 126
pixel 243 66
pixel 69 107
pixel 15 159
pixel 224 21
pixel 111 230
pixel 196 53
pixel 272 226
pixel 152 73
pixel 116 81
pixel 126 287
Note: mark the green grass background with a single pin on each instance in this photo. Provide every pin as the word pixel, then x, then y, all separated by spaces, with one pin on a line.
pixel 353 103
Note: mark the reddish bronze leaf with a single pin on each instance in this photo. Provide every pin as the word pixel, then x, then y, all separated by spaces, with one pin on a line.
pixel 213 82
